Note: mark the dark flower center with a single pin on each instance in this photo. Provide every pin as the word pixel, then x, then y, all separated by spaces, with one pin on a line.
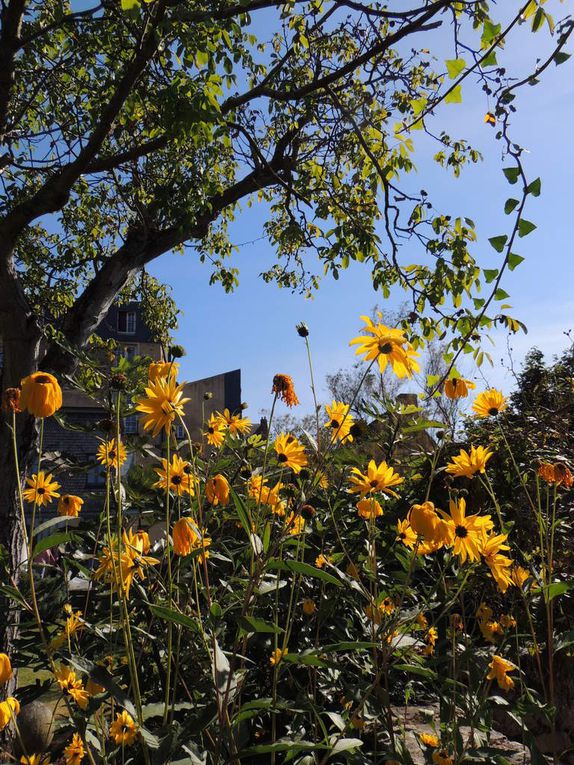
pixel 385 347
pixel 176 479
pixel 282 458
pixel 43 380
pixel 374 484
pixel 402 535
pixel 211 430
pixel 66 500
pixel 187 469
pixel 493 410
pixel 112 455
pixel 461 532
pixel 41 491
pixel 334 424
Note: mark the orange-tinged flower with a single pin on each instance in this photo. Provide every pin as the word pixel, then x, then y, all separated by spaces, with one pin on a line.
pixel 284 390
pixel 490 119
pixel 387 346
pixel 9 708
pixel 490 630
pixel 519 575
pixel 277 656
pixel 162 369
pixel 41 394
pixel 369 508
pixel 406 533
pixel 161 405
pixel 6 670
pixel 187 538
pixel 556 473
pixel 217 490
pixel 309 607
pixel 112 454
pixel 321 560
pixel 457 387
pixel 339 421
pixel 489 403
pixel 425 522
pixel 235 423
pixel 119 564
pixel 499 669
pixel 466 532
pixel 377 478
pixel 35 759
pixel 215 433
pixel 11 400
pixel 70 505
pixel 123 730
pixel 428 739
pixel 441 757
pixel 265 495
pixel 290 452
pixel 41 489
pixel 484 611
pixel 508 621
pixel 467 464
pixel 430 639
pixel 75 751
pixel 377 611
pixel 181 479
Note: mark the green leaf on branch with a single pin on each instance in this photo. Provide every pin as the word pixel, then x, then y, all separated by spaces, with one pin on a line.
pixel 490 274
pixel 555 589
pixel 511 173
pixel 561 57
pixel 454 67
pixel 510 205
pixel 169 615
pixel 454 96
pixel 498 242
pixel 525 227
pixel 534 188
pixel 251 624
pixel 53 541
pixel 501 294
pixel 514 260
pixel 299 567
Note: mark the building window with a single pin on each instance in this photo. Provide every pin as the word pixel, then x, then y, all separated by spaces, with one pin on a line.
pixel 131 425
pixel 129 352
pixel 127 322
pixel 179 431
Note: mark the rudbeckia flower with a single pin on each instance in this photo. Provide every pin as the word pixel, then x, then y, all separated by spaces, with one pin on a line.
pixel 264 494
pixel 41 394
pixel 69 683
pixel 75 751
pixel 123 730
pixel 217 490
pixel 441 757
pixel 377 478
pixel 406 534
pixel 112 454
pixel 499 669
pixel 490 630
pixel 187 539
pixel 467 464
pixel 556 473
pixel 215 433
pixel 498 564
pixel 9 708
pixel 519 575
pixel 339 421
pixel 387 346
pixel 35 759
pixel 429 740
pixel 290 452
pixel 70 505
pixel 309 607
pixel 457 387
pixel 295 524
pixel 6 670
pixel 120 568
pixel 426 523
pixel 284 390
pixel 41 489
pixel 161 405
pixel 181 480
pixel 466 532
pixel 276 656
pixel 159 369
pixel 489 403
pixel 369 508
pixel 235 423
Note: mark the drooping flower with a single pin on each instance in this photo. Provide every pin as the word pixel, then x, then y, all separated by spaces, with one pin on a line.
pixel 290 452
pixel 467 464
pixel 187 538
pixel 235 423
pixel 498 564
pixel 6 670
pixel 162 369
pixel 9 708
pixel 217 490
pixel 441 757
pixel 264 494
pixel 321 560
pixel 499 669
pixel 508 621
pixel 284 390
pixel 489 403
pixel 428 739
pixel 74 623
pixel 161 405
pixel 123 730
pixel 406 534
pixel 339 420
pixel 426 523
pixel 75 751
pixel 387 346
pixel 72 685
pixel 111 454
pixel 181 480
pixel 276 656
pixel 519 575
pixel 11 400
pixel 377 478
pixel 457 387
pixel 215 433
pixel 490 630
pixel 484 611
pixel 42 489
pixel 556 473
pixel 119 567
pixel 70 505
pixel 466 532
pixel 369 508
pixel 41 394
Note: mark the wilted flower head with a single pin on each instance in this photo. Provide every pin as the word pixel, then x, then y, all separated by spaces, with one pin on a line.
pixel 284 390
pixel 11 400
pixel 302 329
pixel 457 387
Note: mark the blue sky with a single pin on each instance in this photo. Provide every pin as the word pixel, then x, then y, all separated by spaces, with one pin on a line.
pixel 254 328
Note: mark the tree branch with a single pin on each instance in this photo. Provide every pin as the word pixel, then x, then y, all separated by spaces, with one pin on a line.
pixel 9 43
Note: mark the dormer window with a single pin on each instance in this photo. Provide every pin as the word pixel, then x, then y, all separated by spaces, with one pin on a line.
pixel 127 322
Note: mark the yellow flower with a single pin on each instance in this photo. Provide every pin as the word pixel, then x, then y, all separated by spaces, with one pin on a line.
pixel 484 611
pixel 498 564
pixel 162 404
pixel 217 490
pixel 68 681
pixel 35 759
pixel 6 670
pixel 322 560
pixel 387 346
pixel 406 534
pixel 467 464
pixel 377 478
pixel 290 452
pixel 519 575
pixel 41 394
pixel 377 611
pixel 557 473
pixel 508 621
pixel 93 688
pixel 457 387
pixel 284 390
pixel 215 433
pixel 490 119
pixel 295 524
pixel 70 505
pixel 441 757
pixel 258 489
pixel 120 568
pixel 74 752
pixel 187 539
pixel 499 669
pixel 466 532
pixel 422 621
pixel 369 508
pixel 489 403
pixel 277 656
pixel 340 421
pixel 425 522
pixel 490 630
pixel 309 607
pixel 429 740
pixel 111 454
pixel 123 730
pixel 233 422
pixel 42 489
pixel 430 639
pixel 8 709
pixel 162 369
pixel 181 480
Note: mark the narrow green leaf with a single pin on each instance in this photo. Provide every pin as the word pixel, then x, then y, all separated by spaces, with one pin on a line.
pixel 169 615
pixel 251 624
pixel 498 242
pixel 60 538
pixel 525 227
pixel 302 568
